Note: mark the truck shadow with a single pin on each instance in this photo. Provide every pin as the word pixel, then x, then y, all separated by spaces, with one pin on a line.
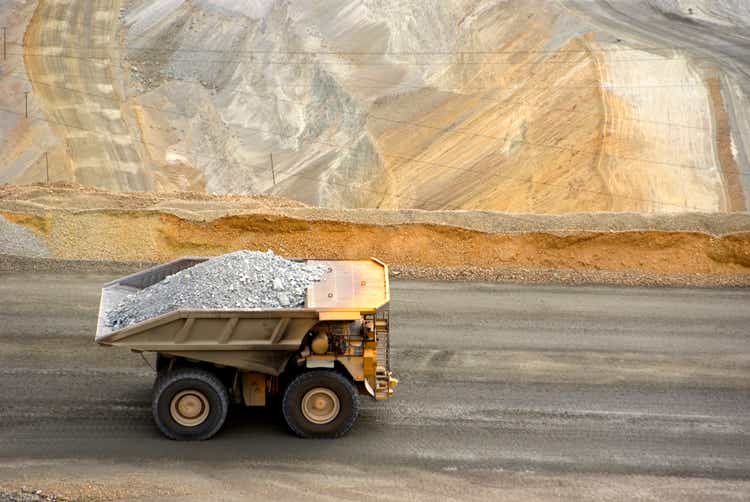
pixel 244 420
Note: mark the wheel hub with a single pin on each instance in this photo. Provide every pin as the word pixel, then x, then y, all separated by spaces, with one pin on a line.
pixel 189 408
pixel 320 405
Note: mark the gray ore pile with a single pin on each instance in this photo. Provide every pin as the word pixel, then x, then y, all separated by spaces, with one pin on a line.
pixel 240 280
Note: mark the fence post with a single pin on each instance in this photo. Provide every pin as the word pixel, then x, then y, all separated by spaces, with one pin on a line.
pixel 273 171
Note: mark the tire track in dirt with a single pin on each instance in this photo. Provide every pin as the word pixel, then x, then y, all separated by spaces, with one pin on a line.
pixel 99 142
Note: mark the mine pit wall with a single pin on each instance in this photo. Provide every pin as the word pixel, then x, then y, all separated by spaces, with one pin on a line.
pixel 156 237
pixel 527 151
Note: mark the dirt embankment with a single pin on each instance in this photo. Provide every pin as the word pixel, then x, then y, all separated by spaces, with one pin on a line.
pixel 142 235
pixel 462 244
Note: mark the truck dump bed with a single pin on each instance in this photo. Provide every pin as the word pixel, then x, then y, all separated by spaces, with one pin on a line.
pixel 251 339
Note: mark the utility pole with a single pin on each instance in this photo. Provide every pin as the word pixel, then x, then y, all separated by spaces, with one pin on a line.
pixel 26 99
pixel 273 171
pixel 46 159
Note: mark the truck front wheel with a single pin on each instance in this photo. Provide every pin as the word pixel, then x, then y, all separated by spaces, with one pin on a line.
pixel 320 404
pixel 189 404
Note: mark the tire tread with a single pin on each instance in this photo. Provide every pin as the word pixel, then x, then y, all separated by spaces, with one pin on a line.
pixel 316 375
pixel 162 383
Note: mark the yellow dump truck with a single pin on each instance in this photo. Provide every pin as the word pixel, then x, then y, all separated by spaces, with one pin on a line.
pixel 316 360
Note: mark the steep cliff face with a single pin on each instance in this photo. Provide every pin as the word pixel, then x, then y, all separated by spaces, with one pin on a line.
pixel 523 106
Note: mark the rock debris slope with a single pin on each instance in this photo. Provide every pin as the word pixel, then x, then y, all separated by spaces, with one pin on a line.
pixel 240 280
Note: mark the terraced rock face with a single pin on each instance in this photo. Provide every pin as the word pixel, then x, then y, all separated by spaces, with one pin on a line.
pixel 72 68
pixel 521 106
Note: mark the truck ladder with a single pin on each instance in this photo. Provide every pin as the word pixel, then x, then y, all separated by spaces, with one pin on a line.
pixel 383 368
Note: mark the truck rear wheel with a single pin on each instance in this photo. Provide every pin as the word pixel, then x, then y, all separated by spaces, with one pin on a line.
pixel 189 404
pixel 320 404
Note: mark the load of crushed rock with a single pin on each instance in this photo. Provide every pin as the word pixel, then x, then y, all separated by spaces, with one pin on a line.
pixel 240 280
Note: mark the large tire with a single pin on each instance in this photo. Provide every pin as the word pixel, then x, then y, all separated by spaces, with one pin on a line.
pixel 320 404
pixel 189 404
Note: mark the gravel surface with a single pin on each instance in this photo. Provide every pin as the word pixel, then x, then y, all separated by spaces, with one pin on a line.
pixel 40 201
pixel 15 263
pixel 29 496
pixel 240 280
pixel 15 239
pixel 569 277
pixel 18 264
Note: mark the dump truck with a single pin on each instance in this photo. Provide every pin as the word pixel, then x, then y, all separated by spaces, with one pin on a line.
pixel 315 361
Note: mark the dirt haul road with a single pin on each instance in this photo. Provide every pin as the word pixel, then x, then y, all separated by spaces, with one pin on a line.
pixel 75 75
pixel 507 393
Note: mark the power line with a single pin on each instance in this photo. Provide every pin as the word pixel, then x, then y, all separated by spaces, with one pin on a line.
pixel 415 124
pixel 317 62
pixel 445 62
pixel 594 84
pixel 591 85
pixel 648 48
pixel 496 138
pixel 411 159
pixel 273 97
